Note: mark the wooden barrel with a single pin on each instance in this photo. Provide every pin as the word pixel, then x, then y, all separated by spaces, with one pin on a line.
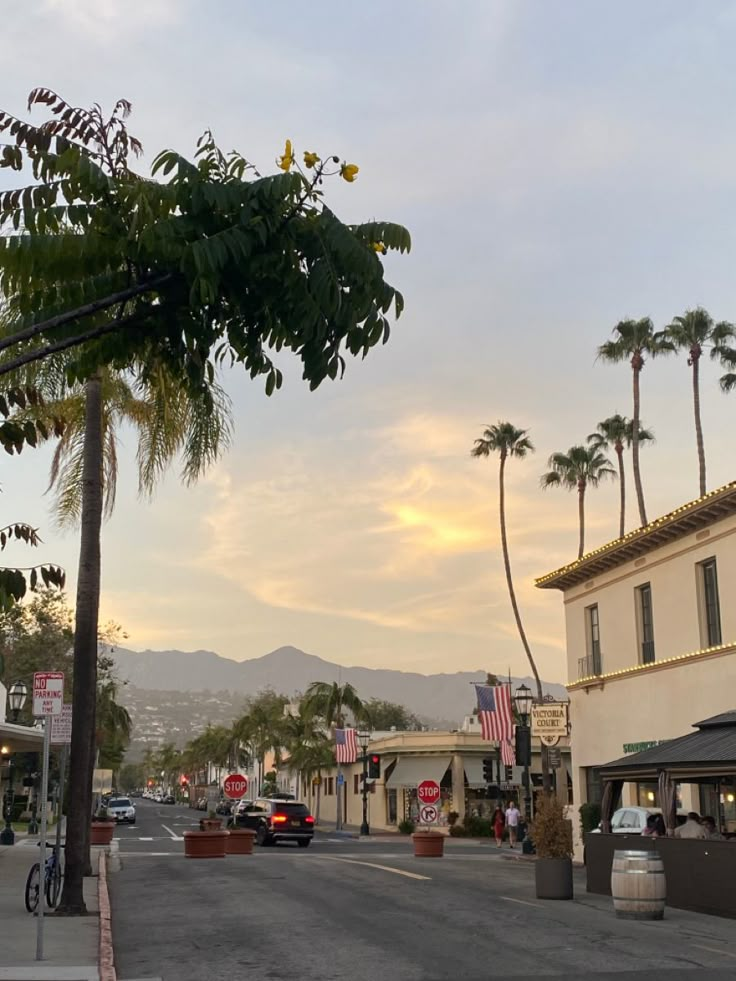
pixel 638 885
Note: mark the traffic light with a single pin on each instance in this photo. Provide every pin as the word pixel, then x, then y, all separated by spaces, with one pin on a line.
pixel 374 766
pixel 488 769
pixel 509 774
pixel 523 746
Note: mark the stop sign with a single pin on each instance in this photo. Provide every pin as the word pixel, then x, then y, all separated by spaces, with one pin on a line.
pixel 428 792
pixel 235 785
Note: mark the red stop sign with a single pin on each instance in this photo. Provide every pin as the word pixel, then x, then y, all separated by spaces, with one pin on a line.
pixel 428 792
pixel 235 785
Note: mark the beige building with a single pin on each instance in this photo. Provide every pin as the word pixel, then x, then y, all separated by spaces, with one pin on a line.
pixel 453 759
pixel 651 640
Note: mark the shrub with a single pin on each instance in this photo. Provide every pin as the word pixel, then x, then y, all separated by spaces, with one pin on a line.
pixel 590 817
pixel 478 827
pixel 406 827
pixel 551 831
pixel 458 831
pixel 452 818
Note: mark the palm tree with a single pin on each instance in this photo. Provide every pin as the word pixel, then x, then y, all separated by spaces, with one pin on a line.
pixel 612 434
pixel 508 441
pixel 692 332
pixel 633 339
pixel 332 702
pixel 310 750
pixel 581 467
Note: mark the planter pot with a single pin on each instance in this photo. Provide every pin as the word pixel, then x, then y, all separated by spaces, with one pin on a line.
pixel 240 841
pixel 210 824
pixel 428 844
pixel 101 832
pixel 553 878
pixel 205 844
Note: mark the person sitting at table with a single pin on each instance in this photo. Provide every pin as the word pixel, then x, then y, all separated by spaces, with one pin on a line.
pixel 711 830
pixel 692 828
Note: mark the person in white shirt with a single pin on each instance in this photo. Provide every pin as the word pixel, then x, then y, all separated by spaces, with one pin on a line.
pixel 692 828
pixel 512 822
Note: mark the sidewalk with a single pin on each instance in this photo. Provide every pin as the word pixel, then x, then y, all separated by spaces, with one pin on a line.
pixel 70 943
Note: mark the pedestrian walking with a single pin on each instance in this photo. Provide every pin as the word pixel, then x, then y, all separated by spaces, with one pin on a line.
pixel 512 822
pixel 499 823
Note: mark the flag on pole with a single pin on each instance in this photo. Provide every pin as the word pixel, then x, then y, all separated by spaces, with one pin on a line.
pixel 346 746
pixel 508 753
pixel 494 712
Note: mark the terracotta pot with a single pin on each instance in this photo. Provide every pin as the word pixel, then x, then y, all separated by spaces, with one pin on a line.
pixel 210 824
pixel 101 832
pixel 205 844
pixel 240 841
pixel 428 844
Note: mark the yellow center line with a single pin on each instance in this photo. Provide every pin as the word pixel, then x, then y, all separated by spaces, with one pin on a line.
pixel 715 950
pixel 374 865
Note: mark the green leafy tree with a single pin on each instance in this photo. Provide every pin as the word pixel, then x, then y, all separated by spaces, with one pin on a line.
pixel 132 776
pixel 581 467
pixel 693 332
pixel 36 635
pixel 381 714
pixel 507 441
pixel 261 728
pixel 309 752
pixel 613 434
pixel 633 341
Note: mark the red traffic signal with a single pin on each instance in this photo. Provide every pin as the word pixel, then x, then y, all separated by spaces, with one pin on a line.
pixel 374 766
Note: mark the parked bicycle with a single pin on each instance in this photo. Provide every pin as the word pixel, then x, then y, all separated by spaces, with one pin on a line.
pixel 52 882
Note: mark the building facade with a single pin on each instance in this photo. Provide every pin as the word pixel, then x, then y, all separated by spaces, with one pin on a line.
pixel 651 640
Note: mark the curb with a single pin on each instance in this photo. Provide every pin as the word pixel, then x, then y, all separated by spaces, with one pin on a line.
pixel 106 956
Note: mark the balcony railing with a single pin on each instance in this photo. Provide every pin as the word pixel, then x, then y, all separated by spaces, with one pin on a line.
pixel 589 665
pixel 647 651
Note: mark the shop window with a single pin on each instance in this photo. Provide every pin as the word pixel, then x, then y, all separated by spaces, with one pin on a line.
pixel 593 785
pixel 356 783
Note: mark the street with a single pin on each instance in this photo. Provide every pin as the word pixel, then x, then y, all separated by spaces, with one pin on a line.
pixel 367 910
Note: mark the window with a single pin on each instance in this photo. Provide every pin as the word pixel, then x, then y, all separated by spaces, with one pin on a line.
pixel 593 785
pixel 356 783
pixel 710 607
pixel 591 663
pixel 645 622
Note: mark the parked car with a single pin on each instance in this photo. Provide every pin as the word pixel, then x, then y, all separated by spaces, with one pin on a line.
pixel 224 807
pixel 631 820
pixel 202 804
pixel 275 819
pixel 169 799
pixel 121 808
pixel 240 807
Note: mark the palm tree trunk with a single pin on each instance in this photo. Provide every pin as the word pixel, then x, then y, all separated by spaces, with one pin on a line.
pixel 81 758
pixel 698 423
pixel 581 517
pixel 622 490
pixel 635 448
pixel 546 782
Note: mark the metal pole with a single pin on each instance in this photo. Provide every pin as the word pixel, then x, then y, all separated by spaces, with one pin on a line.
pixel 527 778
pixel 364 828
pixel 7 835
pixel 42 842
pixel 62 780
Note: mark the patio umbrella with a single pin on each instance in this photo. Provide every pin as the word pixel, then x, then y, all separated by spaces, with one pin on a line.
pixel 666 796
pixel 607 807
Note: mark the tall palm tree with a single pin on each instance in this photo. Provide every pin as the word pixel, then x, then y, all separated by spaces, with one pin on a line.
pixel 633 340
pixel 581 467
pixel 613 434
pixel 332 702
pixel 310 751
pixel 508 441
pixel 693 332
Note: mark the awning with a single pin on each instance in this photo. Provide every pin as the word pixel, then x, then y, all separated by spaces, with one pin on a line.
pixel 20 739
pixel 474 772
pixel 411 770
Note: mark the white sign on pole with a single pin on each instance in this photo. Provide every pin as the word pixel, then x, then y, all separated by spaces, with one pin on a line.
pixel 48 693
pixel 550 721
pixel 428 814
pixel 61 727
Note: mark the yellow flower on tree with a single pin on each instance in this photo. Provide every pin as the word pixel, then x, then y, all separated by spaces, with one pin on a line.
pixel 349 172
pixel 287 158
pixel 310 159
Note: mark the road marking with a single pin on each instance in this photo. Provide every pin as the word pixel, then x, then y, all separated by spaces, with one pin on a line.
pixel 715 950
pixel 153 854
pixel 523 902
pixel 145 839
pixel 383 868
pixel 174 836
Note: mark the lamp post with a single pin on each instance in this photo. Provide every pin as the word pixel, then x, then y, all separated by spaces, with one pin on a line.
pixel 16 700
pixel 523 699
pixel 363 738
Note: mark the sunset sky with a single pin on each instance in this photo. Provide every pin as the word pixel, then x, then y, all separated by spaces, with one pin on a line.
pixel 561 165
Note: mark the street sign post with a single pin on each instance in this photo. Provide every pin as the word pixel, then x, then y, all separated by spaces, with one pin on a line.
pixel 235 786
pixel 61 727
pixel 428 814
pixel 428 792
pixel 48 693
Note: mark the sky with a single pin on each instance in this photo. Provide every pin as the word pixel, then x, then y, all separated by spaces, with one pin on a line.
pixel 561 165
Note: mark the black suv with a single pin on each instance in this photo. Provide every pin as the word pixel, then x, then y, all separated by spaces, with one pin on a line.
pixel 275 819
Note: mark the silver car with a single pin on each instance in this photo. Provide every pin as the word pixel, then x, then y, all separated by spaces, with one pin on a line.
pixel 121 809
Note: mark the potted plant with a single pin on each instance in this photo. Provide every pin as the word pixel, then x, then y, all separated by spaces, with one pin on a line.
pixel 428 843
pixel 211 823
pixel 101 828
pixel 240 841
pixel 552 835
pixel 211 841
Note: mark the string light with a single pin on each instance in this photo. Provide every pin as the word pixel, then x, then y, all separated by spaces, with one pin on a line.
pixel 704 652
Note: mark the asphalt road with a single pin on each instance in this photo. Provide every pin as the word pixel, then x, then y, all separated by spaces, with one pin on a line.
pixel 348 910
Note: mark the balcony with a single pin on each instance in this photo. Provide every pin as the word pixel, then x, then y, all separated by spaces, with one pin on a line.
pixel 590 665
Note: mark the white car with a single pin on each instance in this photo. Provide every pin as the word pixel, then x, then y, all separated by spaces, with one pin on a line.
pixel 121 808
pixel 631 820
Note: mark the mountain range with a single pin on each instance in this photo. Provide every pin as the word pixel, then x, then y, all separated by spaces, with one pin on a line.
pixel 442 699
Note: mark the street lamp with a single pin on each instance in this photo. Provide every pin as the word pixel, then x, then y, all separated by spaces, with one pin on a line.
pixel 364 738
pixel 16 700
pixel 523 699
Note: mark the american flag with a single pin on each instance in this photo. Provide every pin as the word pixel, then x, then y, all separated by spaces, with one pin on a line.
pixel 346 746
pixel 494 712
pixel 508 753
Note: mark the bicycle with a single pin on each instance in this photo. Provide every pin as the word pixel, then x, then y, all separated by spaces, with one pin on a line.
pixel 52 882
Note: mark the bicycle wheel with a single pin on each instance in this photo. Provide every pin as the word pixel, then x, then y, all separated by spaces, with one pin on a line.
pixel 33 888
pixel 53 885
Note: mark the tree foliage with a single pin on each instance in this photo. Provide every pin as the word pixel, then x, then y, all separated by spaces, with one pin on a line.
pixel 381 714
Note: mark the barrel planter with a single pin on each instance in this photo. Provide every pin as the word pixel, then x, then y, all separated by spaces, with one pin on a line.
pixel 210 824
pixel 240 841
pixel 101 832
pixel 638 885
pixel 428 844
pixel 553 878
pixel 205 844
